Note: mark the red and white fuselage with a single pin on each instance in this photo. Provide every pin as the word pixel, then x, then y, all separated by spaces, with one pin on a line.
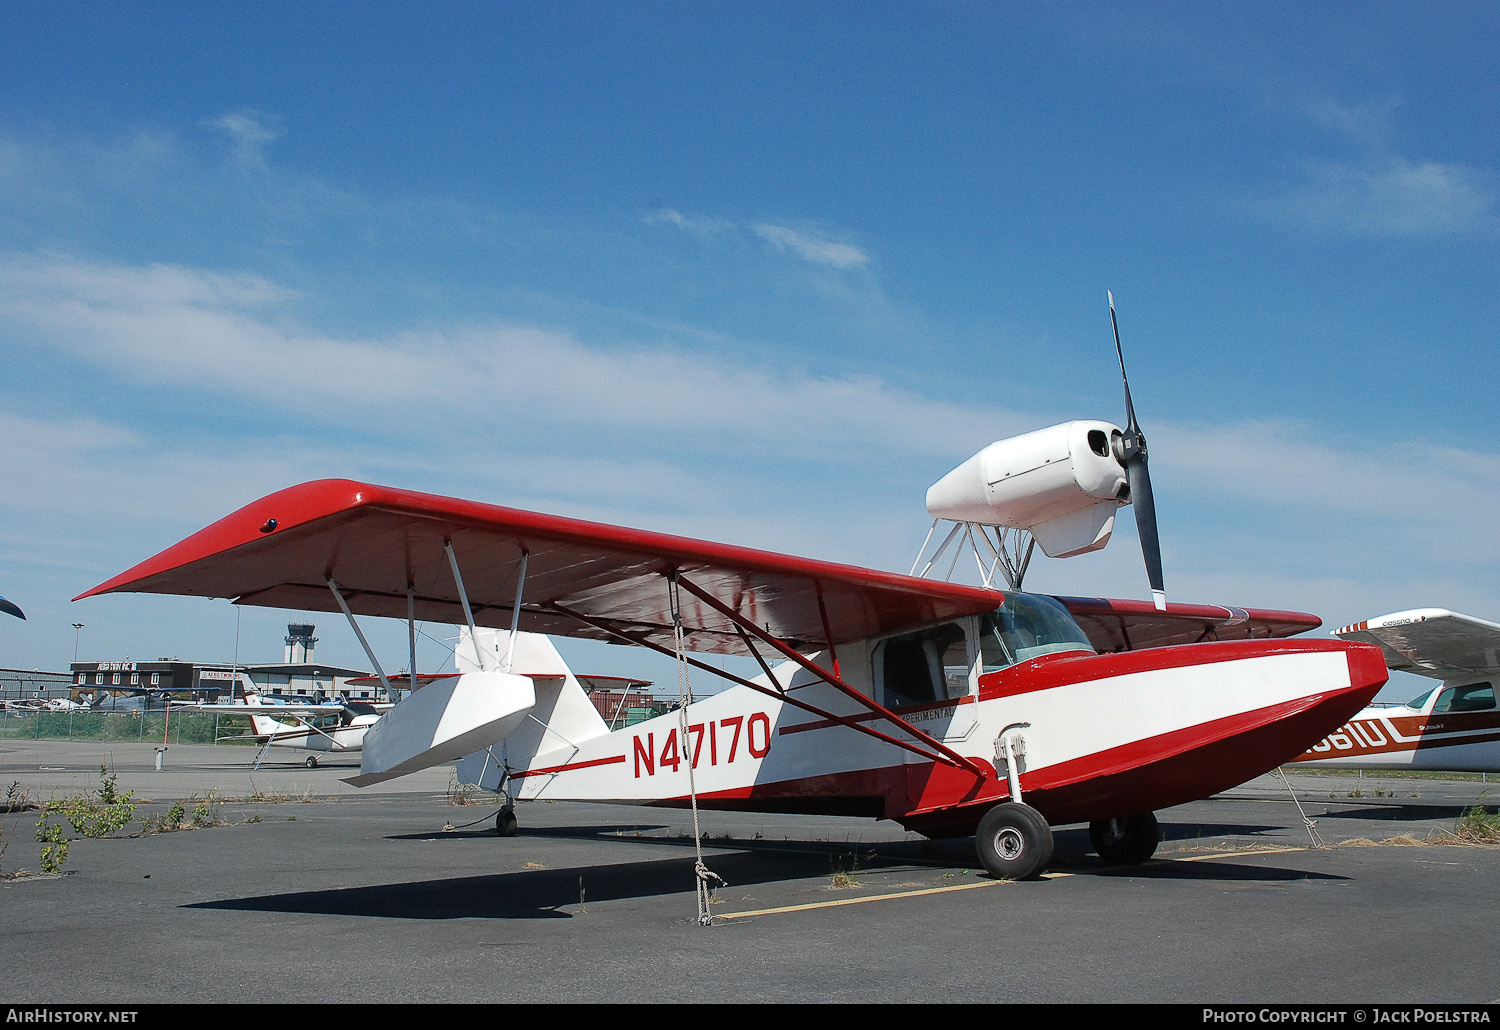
pixel 1104 736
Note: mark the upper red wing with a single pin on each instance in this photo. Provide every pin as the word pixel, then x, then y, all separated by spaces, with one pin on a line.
pixel 1116 625
pixel 280 551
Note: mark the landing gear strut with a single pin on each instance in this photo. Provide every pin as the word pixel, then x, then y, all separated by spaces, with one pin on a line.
pixel 1014 841
pixel 1128 841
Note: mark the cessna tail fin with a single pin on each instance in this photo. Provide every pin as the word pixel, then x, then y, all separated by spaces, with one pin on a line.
pixel 262 724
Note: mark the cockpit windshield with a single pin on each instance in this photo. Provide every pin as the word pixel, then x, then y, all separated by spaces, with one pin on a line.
pixel 1025 626
pixel 1420 700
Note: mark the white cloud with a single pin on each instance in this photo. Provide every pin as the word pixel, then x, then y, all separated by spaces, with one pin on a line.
pixel 1395 197
pixel 811 247
pixel 248 131
pixel 224 333
pixel 697 226
pixel 1382 192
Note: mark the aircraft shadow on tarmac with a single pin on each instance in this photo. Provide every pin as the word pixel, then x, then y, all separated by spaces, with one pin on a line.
pixel 561 893
pixel 1201 831
pixel 533 893
pixel 1389 812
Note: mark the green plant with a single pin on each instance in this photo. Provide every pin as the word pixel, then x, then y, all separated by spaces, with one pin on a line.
pixel 100 815
pixel 55 845
pixel 843 879
pixel 172 820
pixel 90 815
pixel 1478 826
pixel 17 799
pixel 206 811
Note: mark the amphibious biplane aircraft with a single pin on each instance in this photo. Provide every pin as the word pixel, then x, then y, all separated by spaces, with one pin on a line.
pixel 1454 726
pixel 952 709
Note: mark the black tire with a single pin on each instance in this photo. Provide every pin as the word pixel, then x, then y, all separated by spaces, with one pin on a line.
pixel 312 761
pixel 505 823
pixel 1128 841
pixel 1014 842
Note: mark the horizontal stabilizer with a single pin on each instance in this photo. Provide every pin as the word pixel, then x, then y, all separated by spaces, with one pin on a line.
pixel 444 721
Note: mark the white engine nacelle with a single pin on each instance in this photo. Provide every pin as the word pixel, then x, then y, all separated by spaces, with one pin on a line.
pixel 1062 484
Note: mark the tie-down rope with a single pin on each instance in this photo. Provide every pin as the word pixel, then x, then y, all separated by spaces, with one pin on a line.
pixel 701 872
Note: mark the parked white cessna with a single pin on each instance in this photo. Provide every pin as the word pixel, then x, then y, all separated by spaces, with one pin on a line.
pixel 318 729
pixel 1455 726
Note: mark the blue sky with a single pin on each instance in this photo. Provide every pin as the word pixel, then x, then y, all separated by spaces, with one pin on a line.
pixel 754 272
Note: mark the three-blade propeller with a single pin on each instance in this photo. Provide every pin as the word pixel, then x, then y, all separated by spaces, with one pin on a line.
pixel 1130 451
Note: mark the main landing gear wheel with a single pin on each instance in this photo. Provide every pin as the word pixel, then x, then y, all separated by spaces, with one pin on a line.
pixel 312 761
pixel 1014 841
pixel 505 822
pixel 1128 841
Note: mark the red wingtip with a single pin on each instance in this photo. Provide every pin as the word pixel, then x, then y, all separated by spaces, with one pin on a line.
pixel 273 513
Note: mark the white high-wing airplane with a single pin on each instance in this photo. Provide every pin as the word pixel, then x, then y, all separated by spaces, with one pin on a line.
pixel 318 729
pixel 954 710
pixel 1452 727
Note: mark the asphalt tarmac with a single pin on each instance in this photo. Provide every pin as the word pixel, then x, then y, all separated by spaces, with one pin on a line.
pixel 308 890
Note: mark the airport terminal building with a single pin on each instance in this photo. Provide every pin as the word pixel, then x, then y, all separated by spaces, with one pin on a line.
pixel 297 676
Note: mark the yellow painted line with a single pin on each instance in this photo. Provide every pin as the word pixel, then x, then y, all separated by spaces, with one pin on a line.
pixel 811 906
pixel 840 902
pixel 1236 854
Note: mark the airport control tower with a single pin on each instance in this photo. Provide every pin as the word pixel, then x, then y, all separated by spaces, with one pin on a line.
pixel 299 643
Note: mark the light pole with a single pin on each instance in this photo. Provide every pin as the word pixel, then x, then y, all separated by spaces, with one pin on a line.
pixel 77 631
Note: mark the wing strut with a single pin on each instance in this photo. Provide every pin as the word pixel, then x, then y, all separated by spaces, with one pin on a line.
pixel 369 652
pixel 779 694
pixel 411 633
pixel 923 744
pixel 515 612
pixel 943 753
pixel 463 596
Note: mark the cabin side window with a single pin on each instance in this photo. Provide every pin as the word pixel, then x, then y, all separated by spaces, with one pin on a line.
pixel 918 668
pixel 1472 697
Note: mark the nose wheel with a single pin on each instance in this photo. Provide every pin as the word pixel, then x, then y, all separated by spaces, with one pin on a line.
pixel 1128 841
pixel 1014 842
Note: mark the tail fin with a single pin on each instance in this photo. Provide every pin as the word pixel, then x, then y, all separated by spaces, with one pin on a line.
pixel 262 725
pixel 563 717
